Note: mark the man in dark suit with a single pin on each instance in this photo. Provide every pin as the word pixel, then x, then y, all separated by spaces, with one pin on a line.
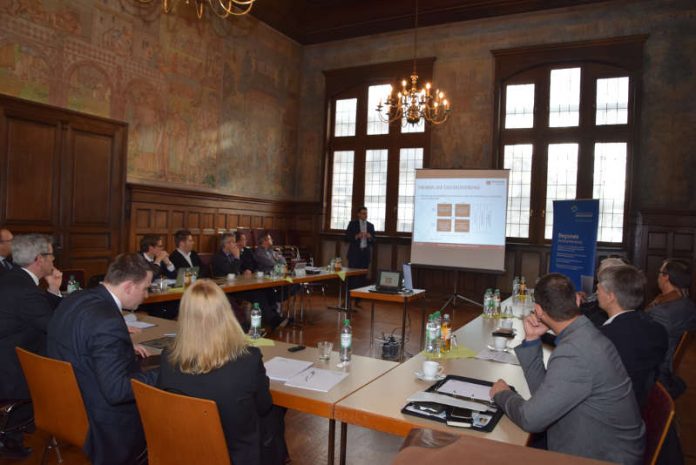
pixel 641 342
pixel 360 235
pixel 674 310
pixel 227 259
pixel 184 256
pixel 89 331
pixel 248 265
pixel 25 310
pixel 5 250
pixel 152 250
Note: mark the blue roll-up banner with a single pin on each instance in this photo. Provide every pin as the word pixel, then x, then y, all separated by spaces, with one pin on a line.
pixel 574 243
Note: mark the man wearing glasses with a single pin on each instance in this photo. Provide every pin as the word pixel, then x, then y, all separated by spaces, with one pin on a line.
pixel 25 311
pixel 5 250
pixel 152 249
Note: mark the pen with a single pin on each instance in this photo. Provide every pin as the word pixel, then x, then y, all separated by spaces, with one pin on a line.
pixel 311 373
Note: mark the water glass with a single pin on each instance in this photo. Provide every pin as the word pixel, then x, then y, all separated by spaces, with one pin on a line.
pixel 325 348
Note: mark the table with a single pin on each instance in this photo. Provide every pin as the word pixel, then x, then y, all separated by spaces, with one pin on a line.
pixel 249 283
pixel 363 370
pixel 378 405
pixel 403 298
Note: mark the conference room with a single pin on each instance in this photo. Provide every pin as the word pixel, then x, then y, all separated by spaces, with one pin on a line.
pixel 130 118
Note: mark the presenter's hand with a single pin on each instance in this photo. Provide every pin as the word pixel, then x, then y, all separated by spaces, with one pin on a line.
pixel 54 280
pixel 533 327
pixel 498 386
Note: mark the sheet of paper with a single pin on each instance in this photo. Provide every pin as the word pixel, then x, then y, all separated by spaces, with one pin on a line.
pixel 443 399
pixel 465 389
pixel 282 369
pixel 316 379
pixel 260 342
pixel 502 357
pixel 140 324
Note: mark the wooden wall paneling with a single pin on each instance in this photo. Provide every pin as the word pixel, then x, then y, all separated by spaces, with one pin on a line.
pixel 161 220
pixel 177 220
pixel 91 179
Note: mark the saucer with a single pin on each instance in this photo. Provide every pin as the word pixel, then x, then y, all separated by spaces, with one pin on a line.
pixel 437 377
pixel 505 349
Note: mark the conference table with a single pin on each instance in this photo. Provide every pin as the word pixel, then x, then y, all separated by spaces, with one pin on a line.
pixel 362 371
pixel 378 405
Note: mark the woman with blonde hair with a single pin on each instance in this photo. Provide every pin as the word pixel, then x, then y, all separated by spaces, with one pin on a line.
pixel 210 359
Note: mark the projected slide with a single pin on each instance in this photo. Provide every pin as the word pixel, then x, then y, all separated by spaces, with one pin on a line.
pixel 459 218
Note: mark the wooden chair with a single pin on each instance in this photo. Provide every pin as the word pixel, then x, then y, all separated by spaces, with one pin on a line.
pixel 658 414
pixel 58 406
pixel 679 351
pixel 180 430
pixel 206 270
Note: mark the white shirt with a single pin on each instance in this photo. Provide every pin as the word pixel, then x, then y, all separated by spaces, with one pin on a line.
pixel 116 299
pixel 187 256
pixel 613 317
pixel 33 276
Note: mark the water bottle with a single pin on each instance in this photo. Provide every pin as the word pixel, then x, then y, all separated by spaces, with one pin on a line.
pixel 255 330
pixel 487 297
pixel 73 285
pixel 523 290
pixel 437 319
pixel 515 288
pixel 496 302
pixel 430 335
pixel 346 341
pixel 446 334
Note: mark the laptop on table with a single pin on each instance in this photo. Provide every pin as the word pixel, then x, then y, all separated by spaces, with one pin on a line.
pixel 388 282
pixel 181 273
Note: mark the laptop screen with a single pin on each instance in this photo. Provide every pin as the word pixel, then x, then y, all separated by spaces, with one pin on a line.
pixel 389 279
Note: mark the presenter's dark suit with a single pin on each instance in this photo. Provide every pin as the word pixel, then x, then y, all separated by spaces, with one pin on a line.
pixel 641 344
pixel 357 257
pixel 253 427
pixel 25 310
pixel 88 331
pixel 180 262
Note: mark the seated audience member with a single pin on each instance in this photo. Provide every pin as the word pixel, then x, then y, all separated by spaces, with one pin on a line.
pixel 211 359
pixel 184 256
pixel 152 250
pixel 640 341
pixel 248 262
pixel 674 310
pixel 5 250
pixel 227 259
pixel 266 257
pixel 583 399
pixel 590 306
pixel 89 331
pixel 25 310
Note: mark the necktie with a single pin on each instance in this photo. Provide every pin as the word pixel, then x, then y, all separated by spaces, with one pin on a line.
pixel 7 265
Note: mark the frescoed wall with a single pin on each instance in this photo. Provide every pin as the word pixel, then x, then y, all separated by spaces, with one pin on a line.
pixel 464 68
pixel 206 100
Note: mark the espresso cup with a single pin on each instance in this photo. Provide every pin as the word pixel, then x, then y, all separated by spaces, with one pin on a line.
pixel 499 342
pixel 431 369
pixel 231 276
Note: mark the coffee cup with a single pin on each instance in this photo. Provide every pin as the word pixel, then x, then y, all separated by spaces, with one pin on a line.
pixel 259 274
pixel 506 323
pixel 500 343
pixel 431 369
pixel 231 276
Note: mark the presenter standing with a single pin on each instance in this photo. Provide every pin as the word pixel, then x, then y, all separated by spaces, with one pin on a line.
pixel 360 235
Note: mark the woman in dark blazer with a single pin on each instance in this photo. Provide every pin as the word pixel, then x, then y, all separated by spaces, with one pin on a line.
pixel 210 359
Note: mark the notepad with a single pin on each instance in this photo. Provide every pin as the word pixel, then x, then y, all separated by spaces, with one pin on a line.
pixel 282 369
pixel 316 379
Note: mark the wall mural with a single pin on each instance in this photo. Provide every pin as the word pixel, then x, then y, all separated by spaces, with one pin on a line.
pixel 202 98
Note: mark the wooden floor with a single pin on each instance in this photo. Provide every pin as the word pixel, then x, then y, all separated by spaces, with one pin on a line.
pixel 306 434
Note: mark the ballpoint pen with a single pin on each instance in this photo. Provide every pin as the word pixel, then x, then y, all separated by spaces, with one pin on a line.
pixel 307 378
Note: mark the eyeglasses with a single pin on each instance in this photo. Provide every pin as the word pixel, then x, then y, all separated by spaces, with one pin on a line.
pixel 47 254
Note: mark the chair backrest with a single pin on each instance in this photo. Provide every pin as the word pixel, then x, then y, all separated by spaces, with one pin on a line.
pixel 206 264
pixel 58 406
pixel 657 415
pixel 180 429
pixel 679 350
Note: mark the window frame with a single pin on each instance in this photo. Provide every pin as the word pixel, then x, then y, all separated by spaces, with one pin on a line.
pixel 354 83
pixel 597 59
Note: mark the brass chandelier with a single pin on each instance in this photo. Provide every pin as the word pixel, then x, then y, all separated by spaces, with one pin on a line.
pixel 221 8
pixel 411 103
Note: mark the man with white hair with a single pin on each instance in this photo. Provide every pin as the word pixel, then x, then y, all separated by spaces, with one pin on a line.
pixel 25 311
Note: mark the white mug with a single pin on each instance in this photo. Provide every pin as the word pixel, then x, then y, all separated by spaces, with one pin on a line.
pixel 231 276
pixel 499 342
pixel 431 369
pixel 259 274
